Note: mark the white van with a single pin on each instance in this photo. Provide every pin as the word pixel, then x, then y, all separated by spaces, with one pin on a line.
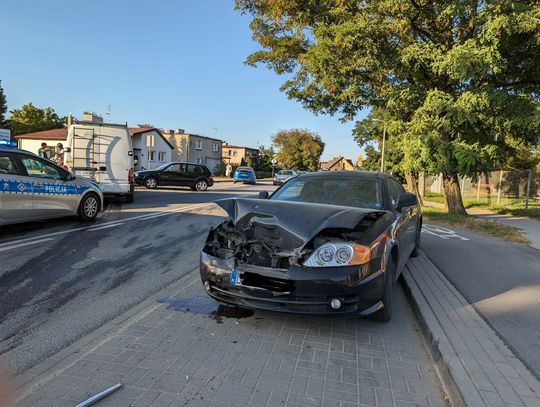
pixel 103 153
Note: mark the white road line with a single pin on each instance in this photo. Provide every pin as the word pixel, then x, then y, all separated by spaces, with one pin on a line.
pixel 38 239
pixel 106 227
pixel 12 246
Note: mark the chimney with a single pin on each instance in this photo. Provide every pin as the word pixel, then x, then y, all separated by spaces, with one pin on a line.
pixel 180 131
pixel 92 117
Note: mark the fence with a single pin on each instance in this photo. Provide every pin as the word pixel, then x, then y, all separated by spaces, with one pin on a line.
pixel 516 189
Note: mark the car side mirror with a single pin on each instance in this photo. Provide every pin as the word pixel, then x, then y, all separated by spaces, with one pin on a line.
pixel 263 195
pixel 405 200
pixel 66 176
pixel 67 150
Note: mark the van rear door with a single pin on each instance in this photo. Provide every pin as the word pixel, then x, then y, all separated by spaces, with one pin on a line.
pixel 85 152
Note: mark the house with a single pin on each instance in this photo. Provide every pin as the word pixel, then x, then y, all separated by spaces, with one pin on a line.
pixel 235 154
pixel 150 148
pixel 338 164
pixel 194 148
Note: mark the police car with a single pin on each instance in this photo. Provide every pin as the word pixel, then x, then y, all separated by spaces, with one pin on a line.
pixel 33 188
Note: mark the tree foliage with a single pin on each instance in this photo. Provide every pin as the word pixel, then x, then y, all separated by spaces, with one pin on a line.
pixel 29 119
pixel 3 109
pixel 458 79
pixel 298 149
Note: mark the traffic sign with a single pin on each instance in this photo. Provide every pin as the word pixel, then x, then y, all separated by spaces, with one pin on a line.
pixel 5 134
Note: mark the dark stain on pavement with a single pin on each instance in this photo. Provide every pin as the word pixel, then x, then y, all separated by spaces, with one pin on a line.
pixel 204 306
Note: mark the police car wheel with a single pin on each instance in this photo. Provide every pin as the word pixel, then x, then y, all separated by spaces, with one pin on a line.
pixel 201 185
pixel 150 183
pixel 89 207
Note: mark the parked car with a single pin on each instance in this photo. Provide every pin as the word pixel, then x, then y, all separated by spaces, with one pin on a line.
pixel 283 176
pixel 34 188
pixel 323 243
pixel 196 176
pixel 103 153
pixel 245 174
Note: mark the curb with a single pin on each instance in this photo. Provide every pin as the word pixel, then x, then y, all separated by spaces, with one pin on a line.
pixel 476 366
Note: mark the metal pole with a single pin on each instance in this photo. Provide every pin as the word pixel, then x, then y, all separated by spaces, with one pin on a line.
pixel 478 187
pixel 99 396
pixel 382 150
pixel 500 187
pixel 529 179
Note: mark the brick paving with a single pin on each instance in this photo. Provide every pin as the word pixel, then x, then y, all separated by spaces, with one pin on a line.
pixel 180 354
pixel 485 370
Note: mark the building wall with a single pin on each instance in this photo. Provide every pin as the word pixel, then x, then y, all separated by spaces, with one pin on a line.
pixel 203 150
pixel 143 152
pixel 34 145
pixel 234 154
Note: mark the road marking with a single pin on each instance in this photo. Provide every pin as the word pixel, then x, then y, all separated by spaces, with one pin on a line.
pixel 106 227
pixel 443 233
pixel 12 246
pixel 38 239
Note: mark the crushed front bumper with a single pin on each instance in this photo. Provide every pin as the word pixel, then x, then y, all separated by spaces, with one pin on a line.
pixel 296 290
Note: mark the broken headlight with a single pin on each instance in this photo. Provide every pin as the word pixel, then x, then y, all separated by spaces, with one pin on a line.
pixel 338 254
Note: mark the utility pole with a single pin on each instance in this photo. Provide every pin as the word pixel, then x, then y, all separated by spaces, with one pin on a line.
pixel 382 150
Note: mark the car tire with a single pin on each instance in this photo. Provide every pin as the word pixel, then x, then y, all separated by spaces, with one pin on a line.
pixel 89 207
pixel 417 242
pixel 130 198
pixel 150 183
pixel 201 185
pixel 385 314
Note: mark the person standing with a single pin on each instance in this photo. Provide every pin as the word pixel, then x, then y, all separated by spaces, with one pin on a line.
pixel 59 154
pixel 43 152
pixel 228 170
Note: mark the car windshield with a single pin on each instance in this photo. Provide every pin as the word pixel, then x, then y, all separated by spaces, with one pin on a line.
pixel 244 170
pixel 162 167
pixel 285 173
pixel 349 191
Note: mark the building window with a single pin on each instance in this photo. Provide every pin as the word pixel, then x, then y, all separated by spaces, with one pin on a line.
pixel 198 144
pixel 199 160
pixel 234 153
pixel 151 155
pixel 161 156
pixel 216 147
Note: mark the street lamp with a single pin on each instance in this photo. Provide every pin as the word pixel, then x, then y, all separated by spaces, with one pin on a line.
pixel 383 142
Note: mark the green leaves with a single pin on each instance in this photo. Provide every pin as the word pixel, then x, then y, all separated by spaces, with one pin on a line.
pixel 29 119
pixel 298 149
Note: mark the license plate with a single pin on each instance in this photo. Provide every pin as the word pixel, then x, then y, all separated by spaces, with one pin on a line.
pixel 88 174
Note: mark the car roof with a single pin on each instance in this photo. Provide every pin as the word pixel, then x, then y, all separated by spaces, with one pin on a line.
pixel 349 174
pixel 244 168
pixel 8 149
pixel 181 162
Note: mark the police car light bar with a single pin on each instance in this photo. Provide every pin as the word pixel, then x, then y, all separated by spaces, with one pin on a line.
pixel 8 143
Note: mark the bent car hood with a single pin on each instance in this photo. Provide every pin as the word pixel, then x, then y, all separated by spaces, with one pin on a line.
pixel 290 225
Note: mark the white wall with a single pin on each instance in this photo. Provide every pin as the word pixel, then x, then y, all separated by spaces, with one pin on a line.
pixel 34 145
pixel 140 142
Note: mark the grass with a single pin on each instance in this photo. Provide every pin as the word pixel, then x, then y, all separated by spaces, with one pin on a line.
pixel 509 206
pixel 475 224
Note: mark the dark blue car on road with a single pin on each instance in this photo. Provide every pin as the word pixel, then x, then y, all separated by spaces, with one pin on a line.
pixel 245 174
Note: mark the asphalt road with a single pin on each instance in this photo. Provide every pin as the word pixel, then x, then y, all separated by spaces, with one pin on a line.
pixel 501 279
pixel 60 279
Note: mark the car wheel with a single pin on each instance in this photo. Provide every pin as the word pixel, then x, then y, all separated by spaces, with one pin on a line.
pixel 201 185
pixel 415 251
pixel 385 314
pixel 89 207
pixel 150 183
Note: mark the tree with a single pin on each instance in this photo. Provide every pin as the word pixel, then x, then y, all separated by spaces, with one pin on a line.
pixel 460 77
pixel 146 126
pixel 264 161
pixel 29 119
pixel 298 149
pixel 3 109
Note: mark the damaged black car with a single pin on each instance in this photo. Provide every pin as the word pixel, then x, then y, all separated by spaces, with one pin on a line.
pixel 323 243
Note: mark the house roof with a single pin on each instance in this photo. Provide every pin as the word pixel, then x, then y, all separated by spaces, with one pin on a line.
pixel 54 134
pixel 231 146
pixel 61 134
pixel 329 164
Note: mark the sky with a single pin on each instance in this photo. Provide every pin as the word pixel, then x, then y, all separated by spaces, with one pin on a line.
pixel 171 63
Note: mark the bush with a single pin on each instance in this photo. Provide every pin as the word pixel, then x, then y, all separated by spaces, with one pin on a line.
pixel 263 174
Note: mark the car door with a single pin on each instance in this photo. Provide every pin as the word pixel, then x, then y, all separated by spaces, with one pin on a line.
pixel 51 194
pixel 408 219
pixel 194 172
pixel 174 174
pixel 15 190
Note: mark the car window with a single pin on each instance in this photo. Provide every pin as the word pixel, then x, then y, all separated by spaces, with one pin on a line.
pixel 395 190
pixel 7 166
pixel 176 168
pixel 195 170
pixel 355 192
pixel 40 169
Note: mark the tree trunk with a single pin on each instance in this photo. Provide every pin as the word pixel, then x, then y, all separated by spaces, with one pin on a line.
pixel 452 193
pixel 422 184
pixel 488 188
pixel 412 186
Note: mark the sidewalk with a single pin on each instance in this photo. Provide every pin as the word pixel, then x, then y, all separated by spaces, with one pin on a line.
pixel 529 227
pixel 477 367
pixel 179 352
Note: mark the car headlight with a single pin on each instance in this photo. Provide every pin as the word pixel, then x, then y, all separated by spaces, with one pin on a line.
pixel 339 254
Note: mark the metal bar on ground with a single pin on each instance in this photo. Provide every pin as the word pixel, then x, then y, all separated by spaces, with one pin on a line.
pixel 99 396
